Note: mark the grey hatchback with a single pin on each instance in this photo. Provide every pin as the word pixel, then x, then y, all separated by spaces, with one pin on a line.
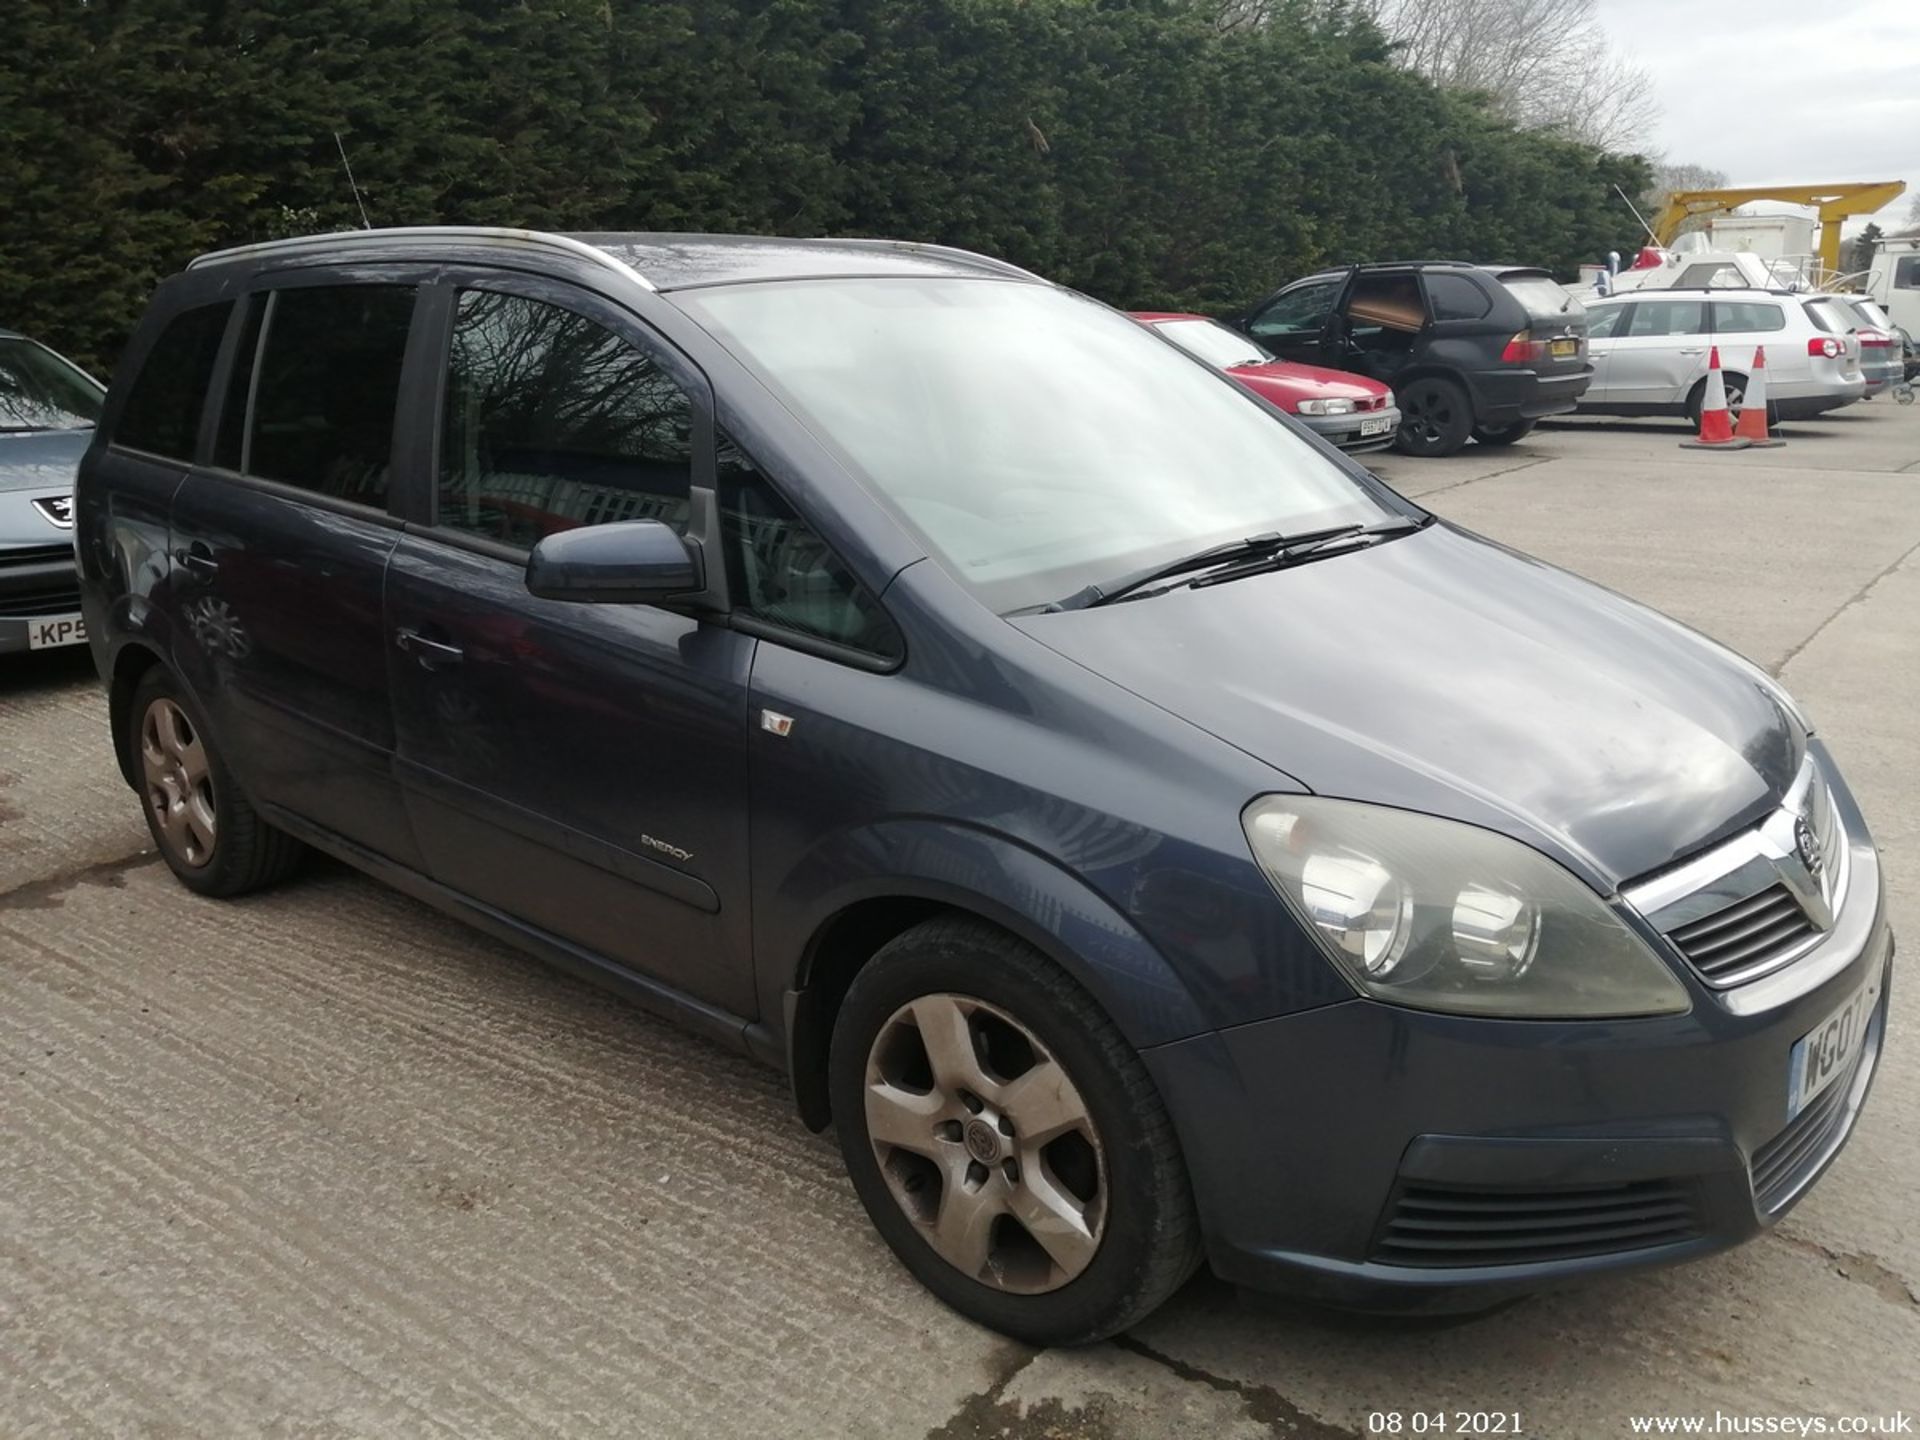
pixel 1142 834
pixel 47 409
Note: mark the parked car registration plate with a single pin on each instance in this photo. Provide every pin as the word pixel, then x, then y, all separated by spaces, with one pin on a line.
pixel 66 630
pixel 1565 349
pixel 1376 427
pixel 1822 1055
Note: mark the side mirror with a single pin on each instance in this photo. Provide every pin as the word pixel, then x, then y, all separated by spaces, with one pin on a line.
pixel 635 561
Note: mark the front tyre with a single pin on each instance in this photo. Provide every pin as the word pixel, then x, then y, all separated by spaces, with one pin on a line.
pixel 1006 1140
pixel 211 838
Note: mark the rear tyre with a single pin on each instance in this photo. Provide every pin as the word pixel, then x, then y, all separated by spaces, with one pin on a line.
pixel 211 838
pixel 1436 418
pixel 1006 1140
pixel 1736 387
pixel 1505 434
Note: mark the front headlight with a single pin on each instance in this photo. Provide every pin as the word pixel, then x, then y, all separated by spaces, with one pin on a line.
pixel 1326 407
pixel 1439 915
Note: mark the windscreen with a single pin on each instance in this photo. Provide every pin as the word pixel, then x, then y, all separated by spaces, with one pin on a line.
pixel 40 391
pixel 1213 343
pixel 1544 297
pixel 1038 442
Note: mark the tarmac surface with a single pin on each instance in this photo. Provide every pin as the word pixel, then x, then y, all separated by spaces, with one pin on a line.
pixel 322 1162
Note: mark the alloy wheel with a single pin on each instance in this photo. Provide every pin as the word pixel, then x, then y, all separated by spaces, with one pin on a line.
pixel 178 782
pixel 986 1144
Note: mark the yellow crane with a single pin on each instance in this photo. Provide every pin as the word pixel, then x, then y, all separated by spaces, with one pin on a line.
pixel 1834 202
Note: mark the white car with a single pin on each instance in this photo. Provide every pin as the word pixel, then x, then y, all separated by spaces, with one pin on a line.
pixel 1650 349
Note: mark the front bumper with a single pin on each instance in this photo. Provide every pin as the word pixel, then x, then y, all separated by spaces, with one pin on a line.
pixel 39 598
pixel 1375 1157
pixel 1346 430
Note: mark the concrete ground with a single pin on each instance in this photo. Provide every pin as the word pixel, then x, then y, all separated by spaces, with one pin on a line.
pixel 322 1162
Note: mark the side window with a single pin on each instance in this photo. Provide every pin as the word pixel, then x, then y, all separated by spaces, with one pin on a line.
pixel 1906 273
pixel 1747 317
pixel 329 381
pixel 162 413
pixel 1389 301
pixel 1668 317
pixel 1606 320
pixel 781 572
pixel 1454 297
pixel 554 421
pixel 1299 311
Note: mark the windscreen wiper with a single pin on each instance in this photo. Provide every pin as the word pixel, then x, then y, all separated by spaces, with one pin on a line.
pixel 1357 538
pixel 1254 551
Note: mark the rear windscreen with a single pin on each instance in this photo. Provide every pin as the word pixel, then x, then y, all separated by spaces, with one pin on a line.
pixel 1543 296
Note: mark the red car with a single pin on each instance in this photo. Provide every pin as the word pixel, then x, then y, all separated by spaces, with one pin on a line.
pixel 1349 410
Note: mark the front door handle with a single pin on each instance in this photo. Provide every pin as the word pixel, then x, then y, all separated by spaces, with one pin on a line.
pixel 430 653
pixel 1701 351
pixel 198 558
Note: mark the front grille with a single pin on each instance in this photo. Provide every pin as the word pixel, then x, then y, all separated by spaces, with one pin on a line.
pixel 47 601
pixel 1434 1225
pixel 33 555
pixel 1743 935
pixel 1782 1166
pixel 38 580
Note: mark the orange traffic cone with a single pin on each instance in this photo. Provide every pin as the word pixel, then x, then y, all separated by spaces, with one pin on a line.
pixel 1752 426
pixel 1716 425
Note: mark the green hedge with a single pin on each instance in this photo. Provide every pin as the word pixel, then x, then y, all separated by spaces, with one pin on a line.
pixel 1123 146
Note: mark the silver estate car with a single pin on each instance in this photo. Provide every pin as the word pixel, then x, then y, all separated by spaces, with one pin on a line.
pixel 1650 350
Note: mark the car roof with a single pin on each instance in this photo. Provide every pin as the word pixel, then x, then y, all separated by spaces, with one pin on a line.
pixel 1155 316
pixel 1714 292
pixel 656 260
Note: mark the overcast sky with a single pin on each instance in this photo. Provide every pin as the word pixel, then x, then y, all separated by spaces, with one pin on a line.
pixel 1782 91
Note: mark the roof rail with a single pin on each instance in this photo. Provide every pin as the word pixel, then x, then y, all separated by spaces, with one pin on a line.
pixel 357 239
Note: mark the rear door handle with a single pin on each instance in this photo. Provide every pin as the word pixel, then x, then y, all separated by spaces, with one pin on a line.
pixel 1699 351
pixel 430 653
pixel 198 558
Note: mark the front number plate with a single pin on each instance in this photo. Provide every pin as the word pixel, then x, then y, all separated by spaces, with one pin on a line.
pixel 1822 1055
pixel 1375 427
pixel 66 630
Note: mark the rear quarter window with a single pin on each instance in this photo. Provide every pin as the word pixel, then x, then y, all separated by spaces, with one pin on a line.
pixel 162 411
pixel 1455 297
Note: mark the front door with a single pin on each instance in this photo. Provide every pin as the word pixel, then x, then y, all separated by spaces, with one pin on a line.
pixel 1294 323
pixel 579 767
pixel 280 547
pixel 1660 353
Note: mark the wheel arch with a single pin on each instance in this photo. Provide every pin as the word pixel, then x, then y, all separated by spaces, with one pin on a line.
pixel 1017 891
pixel 130 665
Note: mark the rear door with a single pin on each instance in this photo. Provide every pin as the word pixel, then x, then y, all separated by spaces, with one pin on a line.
pixel 581 768
pixel 1382 320
pixel 1660 352
pixel 280 544
pixel 1741 328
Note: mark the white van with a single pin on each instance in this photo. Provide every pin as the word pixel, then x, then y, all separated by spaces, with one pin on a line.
pixel 1894 281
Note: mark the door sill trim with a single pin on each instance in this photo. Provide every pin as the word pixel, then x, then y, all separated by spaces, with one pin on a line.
pixel 734 1031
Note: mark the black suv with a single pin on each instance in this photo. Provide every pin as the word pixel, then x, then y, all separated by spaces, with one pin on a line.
pixel 1471 351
